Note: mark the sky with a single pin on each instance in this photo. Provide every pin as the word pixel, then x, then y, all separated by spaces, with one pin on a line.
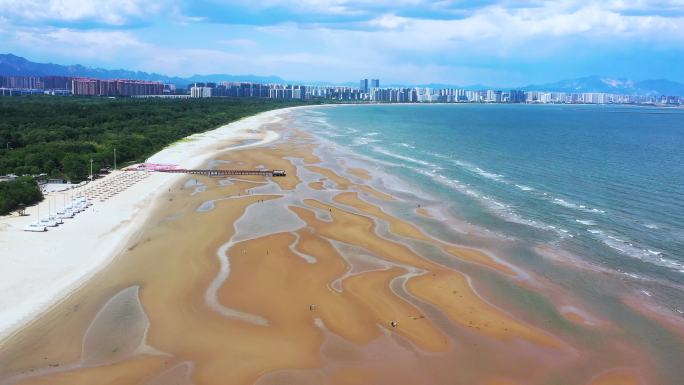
pixel 489 42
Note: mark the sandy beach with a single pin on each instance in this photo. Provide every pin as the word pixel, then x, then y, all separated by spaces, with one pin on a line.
pixel 39 269
pixel 306 279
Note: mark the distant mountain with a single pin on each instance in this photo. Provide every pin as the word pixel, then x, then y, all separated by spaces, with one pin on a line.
pixel 12 65
pixel 610 85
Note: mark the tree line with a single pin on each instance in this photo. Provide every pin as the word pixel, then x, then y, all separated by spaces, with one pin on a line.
pixel 21 192
pixel 59 135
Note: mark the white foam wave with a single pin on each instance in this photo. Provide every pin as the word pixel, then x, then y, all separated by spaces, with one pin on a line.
pixel 508 213
pixel 488 175
pixel 632 275
pixel 503 210
pixel 631 249
pixel 503 179
pixel 566 232
pixel 523 187
pixel 575 206
pixel 479 171
pixel 564 203
pixel 406 158
pixel 362 141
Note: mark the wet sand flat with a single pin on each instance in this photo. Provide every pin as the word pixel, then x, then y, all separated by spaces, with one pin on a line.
pixel 304 279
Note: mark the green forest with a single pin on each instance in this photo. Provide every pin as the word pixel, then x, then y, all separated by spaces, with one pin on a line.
pixel 23 191
pixel 60 135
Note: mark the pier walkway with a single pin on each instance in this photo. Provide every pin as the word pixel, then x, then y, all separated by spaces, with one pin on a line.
pixel 175 169
pixel 225 172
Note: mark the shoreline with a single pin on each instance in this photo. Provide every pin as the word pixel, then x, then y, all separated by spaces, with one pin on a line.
pixel 125 215
pixel 384 299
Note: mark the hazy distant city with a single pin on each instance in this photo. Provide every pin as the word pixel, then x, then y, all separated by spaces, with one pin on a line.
pixel 369 90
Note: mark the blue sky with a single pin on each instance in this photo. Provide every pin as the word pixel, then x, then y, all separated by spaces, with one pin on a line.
pixel 491 42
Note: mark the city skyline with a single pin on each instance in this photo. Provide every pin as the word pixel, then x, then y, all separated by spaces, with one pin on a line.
pixel 495 43
pixel 367 91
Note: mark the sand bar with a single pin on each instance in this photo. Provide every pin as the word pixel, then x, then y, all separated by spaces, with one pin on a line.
pixel 37 269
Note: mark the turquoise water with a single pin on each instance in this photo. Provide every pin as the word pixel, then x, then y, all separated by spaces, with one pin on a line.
pixel 605 183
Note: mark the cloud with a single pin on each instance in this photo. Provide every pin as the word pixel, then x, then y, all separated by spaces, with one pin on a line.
pixel 501 32
pixel 99 44
pixel 329 7
pixel 338 40
pixel 186 62
pixel 552 20
pixel 238 42
pixel 389 21
pixel 345 11
pixel 109 12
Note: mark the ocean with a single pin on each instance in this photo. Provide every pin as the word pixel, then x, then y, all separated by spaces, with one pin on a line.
pixel 601 185
pixel 407 244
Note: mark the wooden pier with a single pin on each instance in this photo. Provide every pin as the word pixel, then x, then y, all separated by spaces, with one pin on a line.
pixel 227 172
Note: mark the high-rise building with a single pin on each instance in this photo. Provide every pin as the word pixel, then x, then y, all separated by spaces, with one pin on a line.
pixel 84 86
pixel 517 96
pixel 363 86
pixel 375 83
pixel 201 92
pixel 118 87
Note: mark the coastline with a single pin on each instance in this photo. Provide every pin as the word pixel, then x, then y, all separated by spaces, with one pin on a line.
pixel 35 270
pixel 237 263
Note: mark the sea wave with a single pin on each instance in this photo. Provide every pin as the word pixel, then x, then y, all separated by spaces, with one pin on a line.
pixel 362 141
pixel 391 154
pixel 475 169
pixel 566 219
pixel 479 171
pixel 575 206
pixel 524 188
pixel 634 250
pixel 564 203
pixel 501 209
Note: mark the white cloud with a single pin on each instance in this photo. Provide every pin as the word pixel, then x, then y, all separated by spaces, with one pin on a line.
pixel 329 7
pixel 99 44
pixel 497 21
pixel 407 39
pixel 238 43
pixel 113 12
pixel 403 47
pixel 186 62
pixel 389 21
pixel 501 31
pixel 441 9
pixel 4 23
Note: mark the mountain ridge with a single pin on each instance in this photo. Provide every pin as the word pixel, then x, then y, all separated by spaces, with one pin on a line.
pixel 596 83
pixel 12 65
